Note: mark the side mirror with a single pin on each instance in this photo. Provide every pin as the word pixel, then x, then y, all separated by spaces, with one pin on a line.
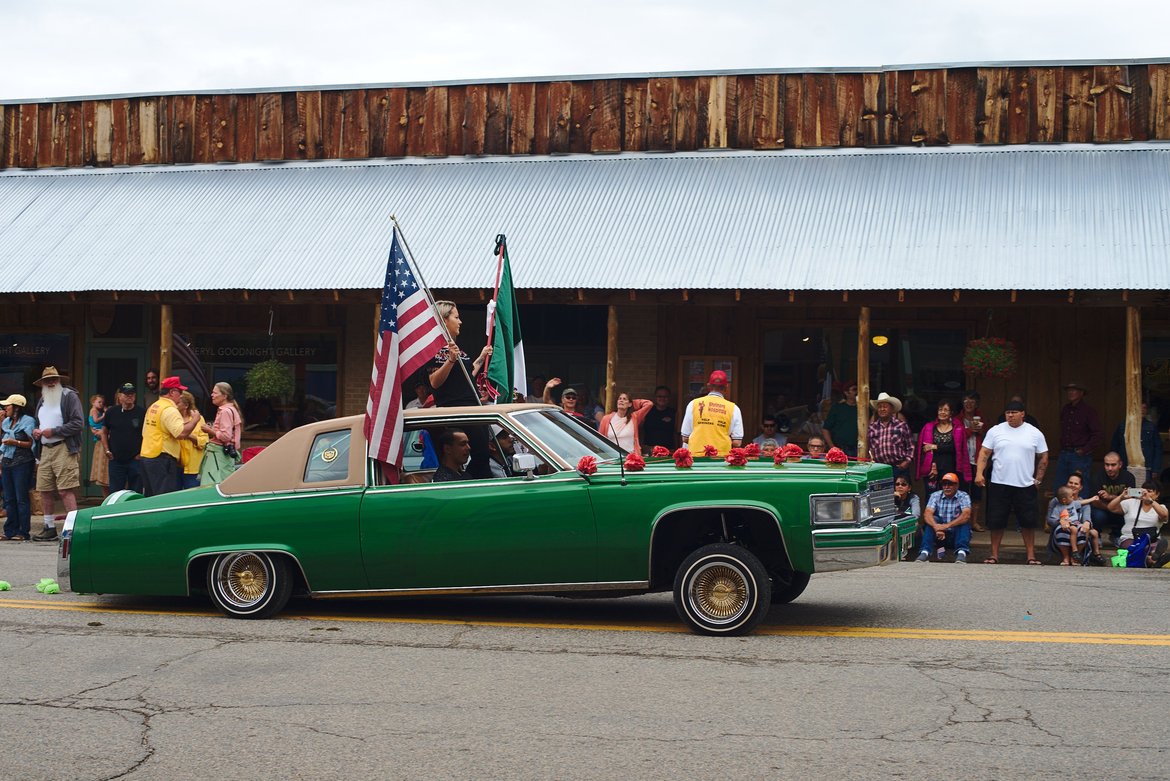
pixel 524 463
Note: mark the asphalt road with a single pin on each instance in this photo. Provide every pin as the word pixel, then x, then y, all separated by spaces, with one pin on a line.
pixel 913 671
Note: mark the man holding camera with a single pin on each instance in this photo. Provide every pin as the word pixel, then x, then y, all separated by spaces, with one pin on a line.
pixel 1108 483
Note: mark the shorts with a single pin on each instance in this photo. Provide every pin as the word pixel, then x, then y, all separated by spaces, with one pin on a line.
pixel 59 469
pixel 1003 500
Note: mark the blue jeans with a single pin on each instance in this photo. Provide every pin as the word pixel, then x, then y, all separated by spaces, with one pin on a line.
pixel 1070 462
pixel 1107 523
pixel 125 476
pixel 188 481
pixel 17 480
pixel 958 538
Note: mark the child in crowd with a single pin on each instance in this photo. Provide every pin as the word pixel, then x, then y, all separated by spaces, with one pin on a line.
pixel 1073 534
pixel 99 470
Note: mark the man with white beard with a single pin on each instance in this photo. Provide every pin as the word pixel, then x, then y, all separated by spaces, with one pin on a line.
pixel 60 421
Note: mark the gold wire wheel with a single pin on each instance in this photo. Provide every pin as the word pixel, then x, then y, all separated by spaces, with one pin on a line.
pixel 243 579
pixel 719 592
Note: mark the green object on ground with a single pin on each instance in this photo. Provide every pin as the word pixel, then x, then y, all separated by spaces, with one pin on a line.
pixel 45 583
pixel 1119 559
pixel 5 585
pixel 52 588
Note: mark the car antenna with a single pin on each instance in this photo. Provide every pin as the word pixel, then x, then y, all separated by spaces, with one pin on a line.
pixel 621 461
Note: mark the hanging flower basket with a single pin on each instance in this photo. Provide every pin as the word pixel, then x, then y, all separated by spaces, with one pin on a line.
pixel 990 358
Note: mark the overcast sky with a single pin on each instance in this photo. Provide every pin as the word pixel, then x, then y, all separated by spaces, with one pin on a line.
pixel 58 48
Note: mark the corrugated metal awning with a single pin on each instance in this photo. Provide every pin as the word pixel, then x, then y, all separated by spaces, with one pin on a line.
pixel 1026 218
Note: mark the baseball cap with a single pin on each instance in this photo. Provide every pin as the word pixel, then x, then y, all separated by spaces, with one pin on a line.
pixel 950 477
pixel 16 399
pixel 127 387
pixel 170 383
pixel 569 392
pixel 718 377
pixel 1014 406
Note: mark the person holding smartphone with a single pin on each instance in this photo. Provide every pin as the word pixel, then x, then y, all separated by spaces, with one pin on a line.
pixel 1143 511
pixel 1107 484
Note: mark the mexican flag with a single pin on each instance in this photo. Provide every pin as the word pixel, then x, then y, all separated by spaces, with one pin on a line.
pixel 506 370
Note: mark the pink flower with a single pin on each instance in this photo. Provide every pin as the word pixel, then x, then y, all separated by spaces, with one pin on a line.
pixel 710 451
pixel 683 458
pixel 836 456
pixel 752 450
pixel 634 463
pixel 660 452
pixel 737 457
pixel 587 465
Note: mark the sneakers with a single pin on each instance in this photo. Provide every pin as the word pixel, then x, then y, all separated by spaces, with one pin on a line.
pixel 924 556
pixel 48 535
pixel 940 553
pixel 961 557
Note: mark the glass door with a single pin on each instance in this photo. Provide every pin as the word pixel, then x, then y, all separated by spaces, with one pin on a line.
pixel 106 369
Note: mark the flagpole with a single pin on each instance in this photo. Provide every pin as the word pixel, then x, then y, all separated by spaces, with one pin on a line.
pixel 501 249
pixel 431 300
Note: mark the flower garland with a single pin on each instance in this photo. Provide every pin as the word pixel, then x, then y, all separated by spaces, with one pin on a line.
pixel 683 458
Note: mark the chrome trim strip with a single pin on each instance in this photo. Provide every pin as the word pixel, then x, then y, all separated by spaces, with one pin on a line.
pixel 560 477
pixel 251 499
pixel 525 588
pixel 64 541
pixel 187 573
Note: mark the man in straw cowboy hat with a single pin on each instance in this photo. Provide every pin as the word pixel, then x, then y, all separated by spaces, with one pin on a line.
pixel 60 421
pixel 890 441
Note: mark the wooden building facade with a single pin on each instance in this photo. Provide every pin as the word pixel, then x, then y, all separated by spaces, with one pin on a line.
pixel 655 337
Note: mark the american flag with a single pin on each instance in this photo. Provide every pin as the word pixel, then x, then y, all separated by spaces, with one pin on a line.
pixel 409 335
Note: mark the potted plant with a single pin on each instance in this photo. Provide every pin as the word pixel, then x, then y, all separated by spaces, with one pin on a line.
pixel 990 357
pixel 270 379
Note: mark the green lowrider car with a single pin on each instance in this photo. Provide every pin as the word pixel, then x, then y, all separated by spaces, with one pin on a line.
pixel 312 515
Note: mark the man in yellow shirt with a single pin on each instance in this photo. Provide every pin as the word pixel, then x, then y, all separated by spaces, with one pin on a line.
pixel 161 431
pixel 712 419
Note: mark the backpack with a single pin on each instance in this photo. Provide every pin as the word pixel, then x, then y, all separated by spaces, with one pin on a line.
pixel 1136 553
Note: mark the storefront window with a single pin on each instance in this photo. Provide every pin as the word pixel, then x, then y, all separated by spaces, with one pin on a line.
pixel 805 366
pixel 24 356
pixel 311 358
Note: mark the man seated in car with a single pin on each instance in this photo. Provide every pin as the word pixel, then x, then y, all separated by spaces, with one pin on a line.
pixel 454 449
pixel 501 448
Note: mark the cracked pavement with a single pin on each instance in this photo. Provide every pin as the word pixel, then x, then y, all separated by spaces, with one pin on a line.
pixel 142 694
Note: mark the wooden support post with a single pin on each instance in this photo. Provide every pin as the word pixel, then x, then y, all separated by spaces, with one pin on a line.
pixel 611 359
pixel 863 383
pixel 166 334
pixel 1133 393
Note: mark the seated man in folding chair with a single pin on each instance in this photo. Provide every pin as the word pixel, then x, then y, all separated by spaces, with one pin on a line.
pixel 947 520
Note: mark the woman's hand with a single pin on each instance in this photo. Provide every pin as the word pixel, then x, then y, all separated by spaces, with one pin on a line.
pixel 486 351
pixel 453 352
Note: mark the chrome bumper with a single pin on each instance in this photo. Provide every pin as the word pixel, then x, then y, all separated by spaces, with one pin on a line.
pixel 854 547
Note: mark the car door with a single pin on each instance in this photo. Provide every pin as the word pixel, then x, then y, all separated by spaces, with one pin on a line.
pixel 511 531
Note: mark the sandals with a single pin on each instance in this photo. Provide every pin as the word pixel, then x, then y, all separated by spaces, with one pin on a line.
pixel 1036 562
pixel 991 560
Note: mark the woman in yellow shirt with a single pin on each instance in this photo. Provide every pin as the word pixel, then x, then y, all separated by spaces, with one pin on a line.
pixel 191 446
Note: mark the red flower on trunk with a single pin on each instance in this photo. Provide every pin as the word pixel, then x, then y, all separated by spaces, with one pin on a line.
pixel 710 451
pixel 836 456
pixel 587 465
pixel 634 463
pixel 660 452
pixel 792 450
pixel 737 457
pixel 752 450
pixel 683 458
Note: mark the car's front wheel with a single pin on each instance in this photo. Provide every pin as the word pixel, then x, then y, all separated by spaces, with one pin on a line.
pixel 246 584
pixel 722 589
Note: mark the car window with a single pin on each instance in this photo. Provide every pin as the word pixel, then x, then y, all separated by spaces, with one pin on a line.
pixel 328 457
pixel 419 459
pixel 570 439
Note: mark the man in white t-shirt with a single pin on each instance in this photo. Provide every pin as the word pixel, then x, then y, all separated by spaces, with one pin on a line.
pixel 1021 458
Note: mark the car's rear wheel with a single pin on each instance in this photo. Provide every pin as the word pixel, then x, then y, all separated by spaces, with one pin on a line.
pixel 246 584
pixel 783 593
pixel 722 590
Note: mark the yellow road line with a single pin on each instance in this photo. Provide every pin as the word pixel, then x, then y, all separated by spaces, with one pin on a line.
pixel 872 633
